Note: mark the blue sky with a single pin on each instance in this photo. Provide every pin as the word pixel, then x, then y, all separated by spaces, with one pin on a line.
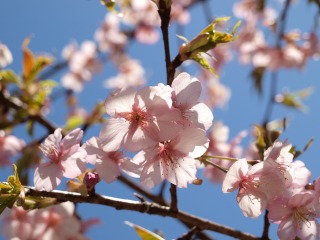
pixel 53 24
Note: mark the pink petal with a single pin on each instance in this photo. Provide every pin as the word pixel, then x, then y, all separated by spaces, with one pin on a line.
pixel 120 101
pixel 204 116
pixel 72 138
pixel 187 90
pixel 234 176
pixel 151 175
pixel 47 176
pixel 112 134
pixel 92 148
pixel 251 205
pixel 191 141
pixel 75 164
pixel 107 169
pixel 181 172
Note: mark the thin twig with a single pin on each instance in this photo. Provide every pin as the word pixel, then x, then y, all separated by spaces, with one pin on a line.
pixel 265 234
pixel 144 207
pixel 273 83
pixel 164 13
pixel 188 235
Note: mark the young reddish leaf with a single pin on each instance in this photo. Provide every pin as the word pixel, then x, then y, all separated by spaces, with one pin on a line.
pixel 28 59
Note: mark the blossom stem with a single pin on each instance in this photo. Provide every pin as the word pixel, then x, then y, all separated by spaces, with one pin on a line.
pixel 206 161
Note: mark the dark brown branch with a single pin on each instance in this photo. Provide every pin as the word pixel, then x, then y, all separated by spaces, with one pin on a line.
pixel 188 235
pixel 174 199
pixel 157 199
pixel 164 13
pixel 15 103
pixel 143 207
pixel 265 234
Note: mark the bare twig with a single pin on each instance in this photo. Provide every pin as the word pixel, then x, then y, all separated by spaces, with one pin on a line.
pixel 188 235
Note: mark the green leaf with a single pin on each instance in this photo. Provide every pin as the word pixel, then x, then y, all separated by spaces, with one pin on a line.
pixel 14 181
pixel 7 200
pixel 204 63
pixel 212 25
pixel 74 122
pixel 143 233
pixel 9 76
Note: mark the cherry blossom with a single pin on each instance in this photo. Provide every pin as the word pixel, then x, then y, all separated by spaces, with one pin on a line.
pixel 57 222
pixel 109 36
pixel 185 97
pixel 257 184
pixel 83 64
pixel 65 158
pixel 9 147
pixel 220 146
pixel 108 164
pixel 131 74
pixel 17 223
pixel 138 119
pixel 173 160
pixel 5 56
pixel 295 216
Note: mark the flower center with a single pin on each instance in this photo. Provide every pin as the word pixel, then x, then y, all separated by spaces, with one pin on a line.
pixel 302 215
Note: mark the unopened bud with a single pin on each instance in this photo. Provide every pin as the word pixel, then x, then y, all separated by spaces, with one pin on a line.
pixel 91 179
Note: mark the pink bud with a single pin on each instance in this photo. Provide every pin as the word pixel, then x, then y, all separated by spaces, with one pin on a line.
pixel 91 179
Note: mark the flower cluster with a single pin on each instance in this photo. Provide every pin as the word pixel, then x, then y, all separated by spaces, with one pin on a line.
pixel 83 63
pixel 54 222
pixel 165 125
pixel 254 49
pixel 277 184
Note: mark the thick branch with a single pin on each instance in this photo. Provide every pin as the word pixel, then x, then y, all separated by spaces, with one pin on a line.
pixel 143 207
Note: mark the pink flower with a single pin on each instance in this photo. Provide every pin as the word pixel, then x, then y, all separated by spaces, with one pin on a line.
pixel 220 146
pixel 131 74
pixel 146 34
pixel 296 216
pixel 108 164
pixel 65 158
pixel 138 119
pixel 5 56
pixel 185 97
pixel 280 153
pixel 17 223
pixel 9 146
pixel 83 64
pixel 57 222
pixel 109 36
pixel 173 160
pixel 257 184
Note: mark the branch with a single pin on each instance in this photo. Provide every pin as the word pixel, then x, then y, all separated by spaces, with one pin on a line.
pixel 15 103
pixel 143 207
pixel 164 13
pixel 273 86
pixel 174 199
pixel 265 234
pixel 157 199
